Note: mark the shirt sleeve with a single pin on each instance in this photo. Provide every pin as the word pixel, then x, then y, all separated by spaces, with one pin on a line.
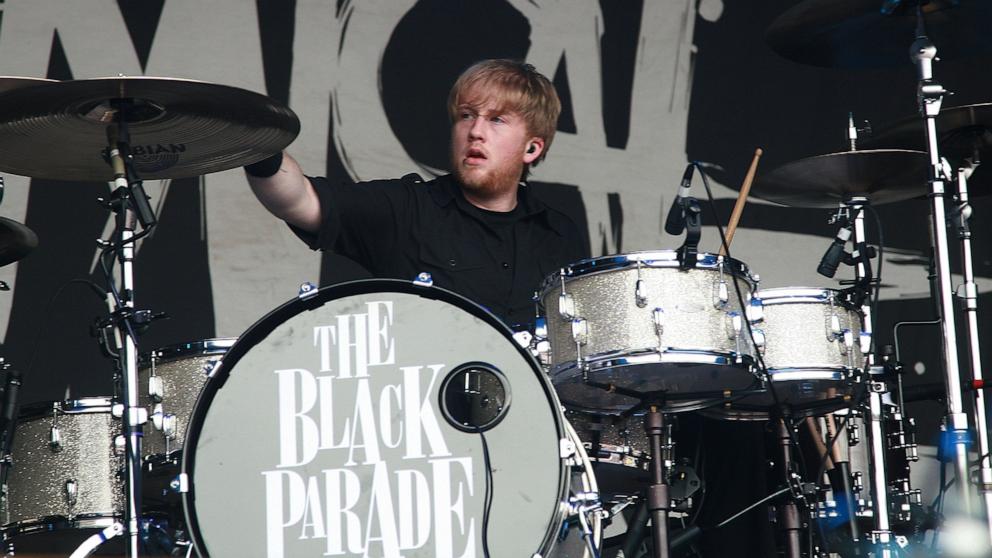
pixel 360 221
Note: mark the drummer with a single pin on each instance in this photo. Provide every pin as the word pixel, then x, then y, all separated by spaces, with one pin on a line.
pixel 480 231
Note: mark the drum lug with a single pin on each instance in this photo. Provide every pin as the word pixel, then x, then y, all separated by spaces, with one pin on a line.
pixel 169 426
pixel 759 340
pixel 71 492
pixel 307 289
pixel 566 448
pixel 756 310
pixel 210 367
pixel 156 390
pixel 834 330
pixel 423 279
pixel 580 331
pixel 566 306
pixel 658 315
pixel 722 296
pixel 734 324
pixel 156 416
pixel 55 438
pixel 120 445
pixel 640 294
pixel 180 484
pixel 864 339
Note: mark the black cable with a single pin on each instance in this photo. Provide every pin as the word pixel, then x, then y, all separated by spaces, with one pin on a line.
pixel 46 314
pixel 488 497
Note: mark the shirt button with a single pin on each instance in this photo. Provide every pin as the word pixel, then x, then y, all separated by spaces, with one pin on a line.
pixel 451 263
pixel 506 265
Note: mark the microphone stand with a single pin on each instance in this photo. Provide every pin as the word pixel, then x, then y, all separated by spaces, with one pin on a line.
pixel 930 95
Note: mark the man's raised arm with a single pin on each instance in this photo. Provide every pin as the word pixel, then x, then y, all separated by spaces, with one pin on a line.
pixel 279 183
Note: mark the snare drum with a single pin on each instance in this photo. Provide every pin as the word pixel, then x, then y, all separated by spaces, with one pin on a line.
pixel 170 380
pixel 381 418
pixel 813 349
pixel 640 322
pixel 65 480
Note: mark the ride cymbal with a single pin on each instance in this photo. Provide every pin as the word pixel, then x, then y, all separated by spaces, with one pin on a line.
pixel 857 34
pixel 880 175
pixel 178 128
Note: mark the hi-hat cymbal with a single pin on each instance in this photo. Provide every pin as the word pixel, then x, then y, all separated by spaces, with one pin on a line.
pixel 16 241
pixel 880 175
pixel 856 34
pixel 178 128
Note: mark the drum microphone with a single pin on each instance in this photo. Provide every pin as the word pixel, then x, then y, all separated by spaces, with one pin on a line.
pixel 9 404
pixel 834 254
pixel 675 223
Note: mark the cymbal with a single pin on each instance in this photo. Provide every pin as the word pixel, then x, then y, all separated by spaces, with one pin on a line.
pixel 178 128
pixel 880 175
pixel 16 241
pixel 856 34
pixel 960 131
pixel 10 83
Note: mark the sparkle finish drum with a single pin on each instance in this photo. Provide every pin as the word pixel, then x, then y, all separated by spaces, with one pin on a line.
pixel 170 380
pixel 382 418
pixel 814 350
pixel 639 322
pixel 66 473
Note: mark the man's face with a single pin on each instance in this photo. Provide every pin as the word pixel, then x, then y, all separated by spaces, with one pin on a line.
pixel 489 148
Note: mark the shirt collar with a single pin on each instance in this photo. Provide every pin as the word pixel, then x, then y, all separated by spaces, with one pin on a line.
pixel 446 191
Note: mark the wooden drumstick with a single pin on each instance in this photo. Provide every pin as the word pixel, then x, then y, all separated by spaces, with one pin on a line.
pixel 821 447
pixel 741 200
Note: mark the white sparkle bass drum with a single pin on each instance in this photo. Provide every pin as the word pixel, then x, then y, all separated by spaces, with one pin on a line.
pixel 383 418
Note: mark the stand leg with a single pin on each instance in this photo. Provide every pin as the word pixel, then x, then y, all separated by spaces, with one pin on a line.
pixel 788 512
pixel 659 501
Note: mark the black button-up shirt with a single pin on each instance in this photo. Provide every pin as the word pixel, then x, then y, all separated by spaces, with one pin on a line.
pixel 399 228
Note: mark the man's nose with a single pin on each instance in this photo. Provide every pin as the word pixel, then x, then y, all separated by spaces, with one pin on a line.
pixel 477 129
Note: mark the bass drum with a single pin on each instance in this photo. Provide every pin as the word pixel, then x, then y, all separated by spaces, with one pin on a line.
pixel 380 418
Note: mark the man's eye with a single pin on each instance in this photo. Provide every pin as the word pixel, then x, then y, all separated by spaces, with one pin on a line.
pixel 466 116
pixel 497 119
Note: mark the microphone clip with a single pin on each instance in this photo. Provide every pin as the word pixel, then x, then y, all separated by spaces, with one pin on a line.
pixel 688 253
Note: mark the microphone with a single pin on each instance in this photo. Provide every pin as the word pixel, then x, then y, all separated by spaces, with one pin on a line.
pixel 834 254
pixel 9 405
pixel 675 223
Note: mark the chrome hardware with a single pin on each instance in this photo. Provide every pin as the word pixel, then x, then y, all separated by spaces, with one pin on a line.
pixel 307 289
pixel 580 331
pixel 566 306
pixel 658 314
pixel 857 482
pixel 543 352
pixel 210 367
pixel 640 294
pixel 541 328
pixel 424 279
pixel 759 339
pixel 55 438
pixel 117 410
pixel 755 310
pixel 156 416
pixel 156 389
pixel 169 426
pixel 120 445
pixel 834 330
pixel 853 435
pixel 864 341
pixel 71 492
pixel 523 338
pixel 566 448
pixel 722 296
pixel 734 324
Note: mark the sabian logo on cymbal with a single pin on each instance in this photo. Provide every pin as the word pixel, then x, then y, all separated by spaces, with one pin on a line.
pixel 157 149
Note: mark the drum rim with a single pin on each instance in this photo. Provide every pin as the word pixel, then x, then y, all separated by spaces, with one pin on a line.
pixel 77 406
pixel 48 523
pixel 802 295
pixel 312 300
pixel 208 346
pixel 665 259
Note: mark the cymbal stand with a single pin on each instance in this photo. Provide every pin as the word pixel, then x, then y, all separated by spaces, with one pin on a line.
pixel 131 207
pixel 877 390
pixel 969 304
pixel 658 498
pixel 788 511
pixel 930 95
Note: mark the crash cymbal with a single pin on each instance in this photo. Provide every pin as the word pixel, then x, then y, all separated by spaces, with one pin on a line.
pixel 960 132
pixel 16 241
pixel 10 83
pixel 881 175
pixel 856 34
pixel 178 128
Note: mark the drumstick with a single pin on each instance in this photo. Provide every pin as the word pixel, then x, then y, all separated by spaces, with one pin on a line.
pixel 741 200
pixel 832 433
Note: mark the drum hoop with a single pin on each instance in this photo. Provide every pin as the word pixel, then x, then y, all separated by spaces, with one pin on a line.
pixel 43 524
pixel 649 259
pixel 258 331
pixel 81 406
pixel 211 346
pixel 802 295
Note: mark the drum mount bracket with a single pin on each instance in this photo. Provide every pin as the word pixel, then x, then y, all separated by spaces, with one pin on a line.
pixel 688 253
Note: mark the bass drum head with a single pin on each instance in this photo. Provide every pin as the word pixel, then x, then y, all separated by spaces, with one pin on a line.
pixel 324 432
